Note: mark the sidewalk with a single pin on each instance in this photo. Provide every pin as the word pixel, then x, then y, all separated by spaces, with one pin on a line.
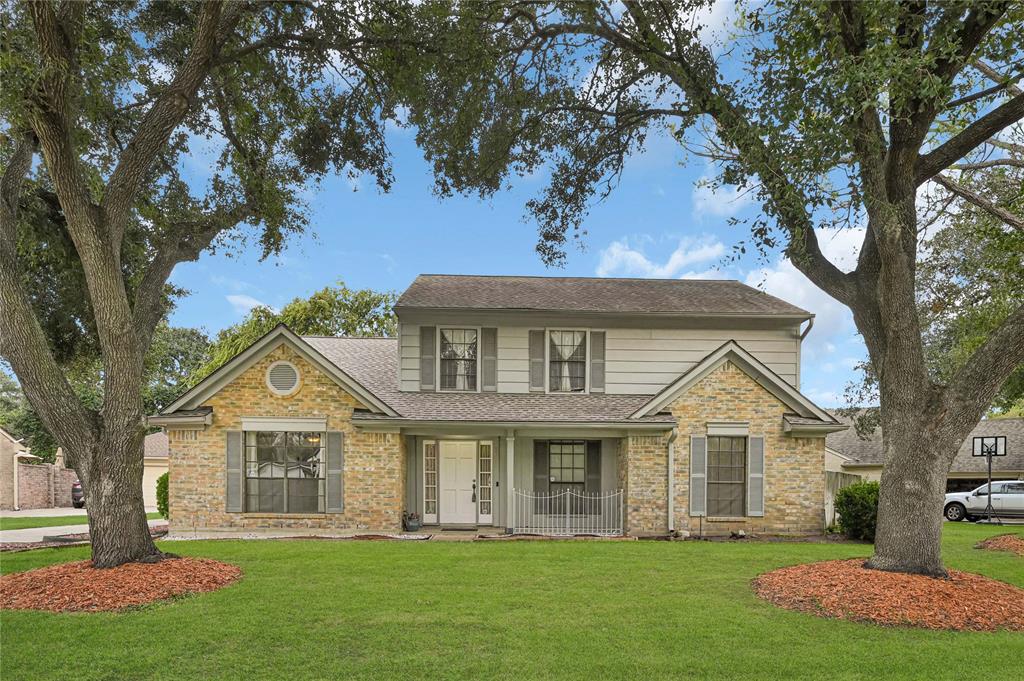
pixel 36 534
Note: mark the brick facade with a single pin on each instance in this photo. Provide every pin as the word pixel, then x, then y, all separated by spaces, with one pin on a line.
pixel 794 466
pixel 374 462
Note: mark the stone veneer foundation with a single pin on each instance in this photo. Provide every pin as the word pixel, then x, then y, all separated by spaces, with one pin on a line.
pixel 374 462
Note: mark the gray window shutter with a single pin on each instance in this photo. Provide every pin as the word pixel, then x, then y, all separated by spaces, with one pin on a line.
pixel 428 337
pixel 335 472
pixel 698 475
pixel 537 360
pixel 233 491
pixel 593 483
pixel 597 361
pixel 541 470
pixel 489 359
pixel 755 477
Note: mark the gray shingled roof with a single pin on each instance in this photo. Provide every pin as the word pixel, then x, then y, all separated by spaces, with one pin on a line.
pixel 155 445
pixel 592 295
pixel 373 363
pixel 869 451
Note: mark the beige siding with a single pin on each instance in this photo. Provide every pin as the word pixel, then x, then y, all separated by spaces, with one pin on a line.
pixel 409 357
pixel 638 361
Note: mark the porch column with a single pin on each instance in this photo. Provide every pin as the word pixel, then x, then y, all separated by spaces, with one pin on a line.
pixel 510 453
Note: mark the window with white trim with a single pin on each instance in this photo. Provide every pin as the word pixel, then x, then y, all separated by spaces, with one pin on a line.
pixel 458 359
pixel 726 476
pixel 285 472
pixel 567 361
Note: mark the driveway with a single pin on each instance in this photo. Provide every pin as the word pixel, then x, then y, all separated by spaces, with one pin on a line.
pixel 52 512
pixel 36 534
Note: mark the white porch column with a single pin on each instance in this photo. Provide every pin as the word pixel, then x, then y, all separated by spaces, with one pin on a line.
pixel 510 455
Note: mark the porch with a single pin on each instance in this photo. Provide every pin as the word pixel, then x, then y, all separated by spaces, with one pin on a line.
pixel 557 483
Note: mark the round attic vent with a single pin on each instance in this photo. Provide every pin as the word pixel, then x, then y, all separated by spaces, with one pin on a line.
pixel 282 378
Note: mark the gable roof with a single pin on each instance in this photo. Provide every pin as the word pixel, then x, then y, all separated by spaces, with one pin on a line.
pixel 594 295
pixel 867 450
pixel 279 335
pixel 4 434
pixel 731 351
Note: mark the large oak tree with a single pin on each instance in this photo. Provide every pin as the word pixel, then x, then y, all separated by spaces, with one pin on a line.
pixel 837 114
pixel 162 130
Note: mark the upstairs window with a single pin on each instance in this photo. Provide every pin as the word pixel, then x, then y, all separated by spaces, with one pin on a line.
pixel 458 359
pixel 567 362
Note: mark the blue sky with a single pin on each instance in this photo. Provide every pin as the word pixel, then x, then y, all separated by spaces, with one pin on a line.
pixel 658 223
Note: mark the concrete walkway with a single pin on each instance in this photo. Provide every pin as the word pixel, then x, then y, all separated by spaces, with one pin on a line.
pixel 36 534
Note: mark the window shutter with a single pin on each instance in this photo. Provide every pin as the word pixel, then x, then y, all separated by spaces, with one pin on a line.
pixel 597 361
pixel 234 464
pixel 541 470
pixel 335 472
pixel 537 360
pixel 593 483
pixel 428 337
pixel 755 477
pixel 489 359
pixel 698 475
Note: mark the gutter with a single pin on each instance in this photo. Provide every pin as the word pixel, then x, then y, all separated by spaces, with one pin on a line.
pixel 671 480
pixel 170 420
pixel 595 425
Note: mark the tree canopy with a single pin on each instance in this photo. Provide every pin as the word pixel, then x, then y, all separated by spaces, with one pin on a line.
pixel 331 311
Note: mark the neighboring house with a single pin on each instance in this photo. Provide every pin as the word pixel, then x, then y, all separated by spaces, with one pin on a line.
pixel 156 447
pixel 533 404
pixel 863 456
pixel 27 484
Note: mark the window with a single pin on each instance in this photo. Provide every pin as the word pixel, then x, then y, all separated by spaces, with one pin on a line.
pixel 284 472
pixel 567 362
pixel 727 469
pixel 997 488
pixel 458 359
pixel 1014 488
pixel 567 464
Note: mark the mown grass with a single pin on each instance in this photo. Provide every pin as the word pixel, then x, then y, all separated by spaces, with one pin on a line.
pixel 23 523
pixel 525 610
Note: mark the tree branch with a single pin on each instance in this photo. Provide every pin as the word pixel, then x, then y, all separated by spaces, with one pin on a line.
pixel 968 139
pixel 160 121
pixel 983 375
pixel 1004 81
pixel 991 163
pixel 980 201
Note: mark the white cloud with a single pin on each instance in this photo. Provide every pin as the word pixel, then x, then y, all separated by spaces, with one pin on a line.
pixel 724 201
pixel 833 322
pixel 243 303
pixel 622 259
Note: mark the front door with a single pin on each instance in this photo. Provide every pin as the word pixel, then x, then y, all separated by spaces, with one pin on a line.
pixel 458 483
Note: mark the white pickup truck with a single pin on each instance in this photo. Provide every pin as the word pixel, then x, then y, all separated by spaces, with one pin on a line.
pixel 1007 501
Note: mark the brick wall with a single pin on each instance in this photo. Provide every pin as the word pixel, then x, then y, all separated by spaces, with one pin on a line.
pixel 44 486
pixel 794 467
pixel 374 462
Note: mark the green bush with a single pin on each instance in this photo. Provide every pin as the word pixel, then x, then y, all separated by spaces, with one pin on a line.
pixel 161 495
pixel 857 507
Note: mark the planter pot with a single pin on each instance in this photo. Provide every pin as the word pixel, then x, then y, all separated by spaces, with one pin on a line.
pixel 413 525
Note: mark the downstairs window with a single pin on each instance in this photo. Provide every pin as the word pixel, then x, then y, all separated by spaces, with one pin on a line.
pixel 284 472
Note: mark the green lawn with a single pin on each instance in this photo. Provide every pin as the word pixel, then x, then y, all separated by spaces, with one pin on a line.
pixel 50 521
pixel 338 610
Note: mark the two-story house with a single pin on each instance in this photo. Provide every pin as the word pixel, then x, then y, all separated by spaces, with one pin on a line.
pixel 535 404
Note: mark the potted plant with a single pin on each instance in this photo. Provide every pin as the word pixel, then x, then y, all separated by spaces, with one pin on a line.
pixel 411 522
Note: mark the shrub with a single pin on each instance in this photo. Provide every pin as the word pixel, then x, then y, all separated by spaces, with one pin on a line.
pixel 161 495
pixel 857 507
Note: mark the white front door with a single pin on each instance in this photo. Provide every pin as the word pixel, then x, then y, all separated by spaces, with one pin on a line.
pixel 458 480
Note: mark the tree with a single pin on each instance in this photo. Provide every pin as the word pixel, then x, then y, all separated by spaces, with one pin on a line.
pixel 832 114
pixel 113 100
pixel 331 311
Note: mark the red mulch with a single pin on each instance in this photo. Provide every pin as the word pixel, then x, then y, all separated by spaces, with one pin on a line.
pixel 76 586
pixel 845 589
pixel 1004 542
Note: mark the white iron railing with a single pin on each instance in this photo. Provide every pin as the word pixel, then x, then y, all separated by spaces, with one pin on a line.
pixel 567 512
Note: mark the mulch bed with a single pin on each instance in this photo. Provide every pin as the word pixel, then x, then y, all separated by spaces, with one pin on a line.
pixel 1005 542
pixel 845 589
pixel 77 586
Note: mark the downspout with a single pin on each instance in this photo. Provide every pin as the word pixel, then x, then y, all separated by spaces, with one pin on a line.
pixel 810 325
pixel 799 349
pixel 671 480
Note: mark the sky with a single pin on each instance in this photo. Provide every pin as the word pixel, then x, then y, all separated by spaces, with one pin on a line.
pixel 659 222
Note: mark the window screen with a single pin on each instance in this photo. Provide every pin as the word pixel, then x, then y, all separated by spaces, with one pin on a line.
pixel 568 362
pixel 284 472
pixel 727 471
pixel 458 359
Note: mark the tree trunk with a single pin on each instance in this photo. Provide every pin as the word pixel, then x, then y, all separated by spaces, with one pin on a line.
pixel 909 533
pixel 112 480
